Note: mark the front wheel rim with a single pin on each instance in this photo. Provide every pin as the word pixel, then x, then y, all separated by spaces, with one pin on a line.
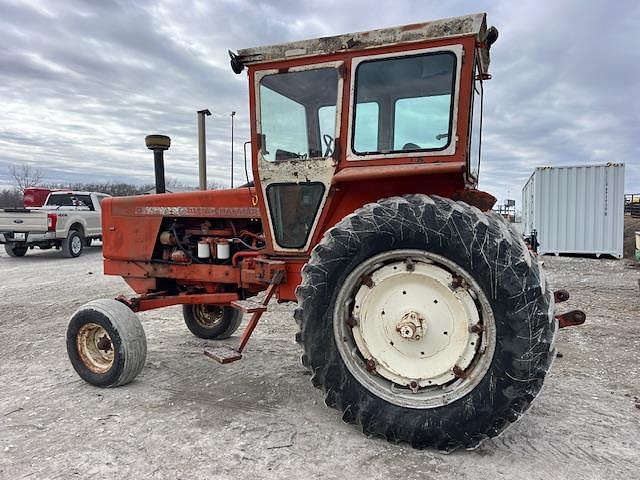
pixel 95 348
pixel 208 316
pixel 414 328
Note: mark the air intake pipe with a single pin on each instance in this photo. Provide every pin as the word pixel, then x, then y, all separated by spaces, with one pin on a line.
pixel 158 143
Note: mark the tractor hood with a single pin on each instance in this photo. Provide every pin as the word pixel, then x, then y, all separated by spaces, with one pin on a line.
pixel 230 203
pixel 130 225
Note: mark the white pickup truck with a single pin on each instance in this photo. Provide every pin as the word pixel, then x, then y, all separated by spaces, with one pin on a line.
pixel 67 220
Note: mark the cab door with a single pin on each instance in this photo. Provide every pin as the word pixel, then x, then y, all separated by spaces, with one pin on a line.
pixel 297 120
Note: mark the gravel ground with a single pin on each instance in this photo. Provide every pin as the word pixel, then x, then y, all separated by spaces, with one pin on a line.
pixel 188 417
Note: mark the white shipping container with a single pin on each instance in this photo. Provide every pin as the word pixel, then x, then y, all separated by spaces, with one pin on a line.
pixel 576 209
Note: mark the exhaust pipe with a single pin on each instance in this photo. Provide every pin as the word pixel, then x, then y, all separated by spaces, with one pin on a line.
pixel 158 143
pixel 202 149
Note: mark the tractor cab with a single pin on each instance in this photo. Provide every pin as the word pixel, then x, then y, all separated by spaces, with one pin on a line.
pixel 335 119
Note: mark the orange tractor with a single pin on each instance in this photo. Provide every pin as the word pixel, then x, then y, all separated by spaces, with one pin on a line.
pixel 422 314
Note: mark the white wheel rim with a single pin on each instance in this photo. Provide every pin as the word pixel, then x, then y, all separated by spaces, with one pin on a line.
pixel 414 328
pixel 76 244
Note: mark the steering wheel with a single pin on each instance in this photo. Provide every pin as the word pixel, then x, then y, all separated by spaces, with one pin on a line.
pixel 328 143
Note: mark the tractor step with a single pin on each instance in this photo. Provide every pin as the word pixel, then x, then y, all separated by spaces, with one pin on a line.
pixel 571 319
pixel 249 306
pixel 223 354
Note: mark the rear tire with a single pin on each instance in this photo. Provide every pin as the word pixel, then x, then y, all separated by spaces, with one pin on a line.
pixel 14 250
pixel 106 343
pixel 483 251
pixel 211 321
pixel 73 245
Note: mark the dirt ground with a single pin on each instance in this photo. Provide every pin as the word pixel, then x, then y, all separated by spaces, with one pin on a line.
pixel 631 226
pixel 188 417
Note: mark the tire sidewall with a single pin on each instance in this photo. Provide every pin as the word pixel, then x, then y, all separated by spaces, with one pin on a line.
pixel 111 376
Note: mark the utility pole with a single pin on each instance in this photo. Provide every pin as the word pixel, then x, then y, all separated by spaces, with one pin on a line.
pixel 233 114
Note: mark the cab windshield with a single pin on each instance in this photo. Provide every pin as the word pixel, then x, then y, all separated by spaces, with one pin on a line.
pixel 298 114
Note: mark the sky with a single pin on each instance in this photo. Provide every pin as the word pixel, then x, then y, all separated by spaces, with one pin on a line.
pixel 83 82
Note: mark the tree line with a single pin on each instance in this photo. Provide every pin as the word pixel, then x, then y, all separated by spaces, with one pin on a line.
pixel 25 176
pixel 12 197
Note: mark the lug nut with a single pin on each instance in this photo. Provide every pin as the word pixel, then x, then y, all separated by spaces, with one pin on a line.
pixel 370 365
pixel 459 373
pixel 456 282
pixel 368 281
pixel 477 328
pixel 409 265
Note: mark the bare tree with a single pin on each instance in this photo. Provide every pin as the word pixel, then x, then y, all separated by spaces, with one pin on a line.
pixel 113 189
pixel 10 198
pixel 25 176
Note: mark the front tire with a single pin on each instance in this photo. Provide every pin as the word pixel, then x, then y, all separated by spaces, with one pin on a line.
pixel 106 343
pixel 211 321
pixel 399 257
pixel 15 250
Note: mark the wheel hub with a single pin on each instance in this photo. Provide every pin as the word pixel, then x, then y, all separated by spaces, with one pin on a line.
pixel 411 326
pixel 208 316
pixel 104 343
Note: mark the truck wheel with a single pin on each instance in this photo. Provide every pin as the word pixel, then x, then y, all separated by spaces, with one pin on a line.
pixel 72 245
pixel 211 321
pixel 426 321
pixel 15 250
pixel 106 343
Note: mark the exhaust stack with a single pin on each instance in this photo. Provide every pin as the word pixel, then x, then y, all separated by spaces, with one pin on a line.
pixel 202 149
pixel 158 143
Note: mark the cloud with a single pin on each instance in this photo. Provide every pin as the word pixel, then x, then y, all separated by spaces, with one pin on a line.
pixel 82 83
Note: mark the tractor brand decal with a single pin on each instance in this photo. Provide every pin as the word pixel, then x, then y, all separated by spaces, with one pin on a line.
pixel 229 212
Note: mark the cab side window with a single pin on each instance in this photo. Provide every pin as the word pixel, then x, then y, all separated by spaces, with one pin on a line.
pixel 298 114
pixel 404 104
pixel 60 200
pixel 84 201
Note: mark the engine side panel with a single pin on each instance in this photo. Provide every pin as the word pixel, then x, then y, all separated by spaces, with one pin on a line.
pixel 131 225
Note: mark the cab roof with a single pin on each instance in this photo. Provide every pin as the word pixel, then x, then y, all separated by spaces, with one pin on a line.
pixel 464 26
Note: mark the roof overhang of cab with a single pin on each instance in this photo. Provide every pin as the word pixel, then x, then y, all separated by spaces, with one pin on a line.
pixel 468 25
